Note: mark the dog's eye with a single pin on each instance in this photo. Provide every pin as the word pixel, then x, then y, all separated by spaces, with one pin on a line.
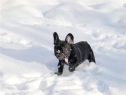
pixel 58 47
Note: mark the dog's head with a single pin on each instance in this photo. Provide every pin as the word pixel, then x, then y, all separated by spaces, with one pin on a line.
pixel 62 49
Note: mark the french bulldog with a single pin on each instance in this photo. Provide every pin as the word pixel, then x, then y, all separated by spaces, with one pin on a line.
pixel 71 54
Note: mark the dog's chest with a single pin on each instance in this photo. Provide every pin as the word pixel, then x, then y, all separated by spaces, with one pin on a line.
pixel 66 60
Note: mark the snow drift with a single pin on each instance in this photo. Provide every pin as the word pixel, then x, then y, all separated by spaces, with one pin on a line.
pixel 27 62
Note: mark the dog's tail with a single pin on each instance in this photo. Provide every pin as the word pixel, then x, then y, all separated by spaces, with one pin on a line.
pixel 91 56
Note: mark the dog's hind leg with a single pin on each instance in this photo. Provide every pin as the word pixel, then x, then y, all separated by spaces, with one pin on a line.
pixel 91 57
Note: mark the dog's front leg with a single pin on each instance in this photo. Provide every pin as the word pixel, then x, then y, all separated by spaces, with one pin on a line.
pixel 60 67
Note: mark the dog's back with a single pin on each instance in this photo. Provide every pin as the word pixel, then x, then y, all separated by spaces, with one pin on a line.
pixel 85 51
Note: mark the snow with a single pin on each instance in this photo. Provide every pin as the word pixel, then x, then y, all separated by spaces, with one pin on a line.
pixel 27 61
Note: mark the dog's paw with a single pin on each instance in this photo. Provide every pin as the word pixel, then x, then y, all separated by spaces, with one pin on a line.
pixel 71 69
pixel 58 73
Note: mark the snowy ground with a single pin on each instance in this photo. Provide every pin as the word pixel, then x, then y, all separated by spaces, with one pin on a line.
pixel 27 62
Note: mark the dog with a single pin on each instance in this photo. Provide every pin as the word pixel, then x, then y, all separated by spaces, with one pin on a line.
pixel 71 54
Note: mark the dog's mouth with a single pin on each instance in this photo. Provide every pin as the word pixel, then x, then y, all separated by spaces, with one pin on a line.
pixel 60 56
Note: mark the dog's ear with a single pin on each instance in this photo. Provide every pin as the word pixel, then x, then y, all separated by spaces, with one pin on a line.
pixel 69 39
pixel 56 37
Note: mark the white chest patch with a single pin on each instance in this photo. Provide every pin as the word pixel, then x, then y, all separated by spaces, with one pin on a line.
pixel 66 60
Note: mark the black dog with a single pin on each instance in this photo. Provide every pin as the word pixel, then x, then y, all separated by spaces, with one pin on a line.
pixel 71 54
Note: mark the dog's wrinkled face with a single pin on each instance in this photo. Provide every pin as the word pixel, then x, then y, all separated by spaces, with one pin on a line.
pixel 62 49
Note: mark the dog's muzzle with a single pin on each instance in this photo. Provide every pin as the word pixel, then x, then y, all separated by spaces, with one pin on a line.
pixel 60 56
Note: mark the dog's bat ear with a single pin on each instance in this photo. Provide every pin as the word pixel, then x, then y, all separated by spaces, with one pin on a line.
pixel 69 39
pixel 56 37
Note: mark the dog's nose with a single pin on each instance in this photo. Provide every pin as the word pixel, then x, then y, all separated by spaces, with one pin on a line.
pixel 57 54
